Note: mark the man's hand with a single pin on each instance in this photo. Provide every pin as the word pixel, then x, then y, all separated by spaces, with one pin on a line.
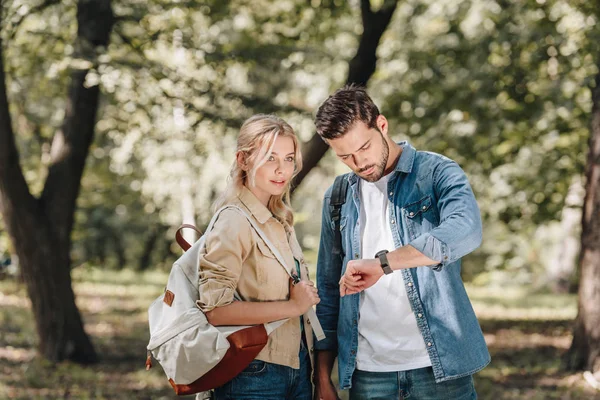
pixel 360 275
pixel 325 390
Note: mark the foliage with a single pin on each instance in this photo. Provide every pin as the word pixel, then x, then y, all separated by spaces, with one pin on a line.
pixel 502 87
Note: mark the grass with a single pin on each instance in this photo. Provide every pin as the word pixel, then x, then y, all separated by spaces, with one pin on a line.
pixel 527 334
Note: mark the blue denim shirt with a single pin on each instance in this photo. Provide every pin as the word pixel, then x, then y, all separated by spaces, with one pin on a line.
pixel 433 209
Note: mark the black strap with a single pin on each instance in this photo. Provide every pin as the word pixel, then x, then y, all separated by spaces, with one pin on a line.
pixel 338 198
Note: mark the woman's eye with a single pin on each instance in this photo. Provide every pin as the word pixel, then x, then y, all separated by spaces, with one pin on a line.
pixel 271 158
pixel 290 159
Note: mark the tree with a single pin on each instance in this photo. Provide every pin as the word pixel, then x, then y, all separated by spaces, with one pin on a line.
pixel 362 67
pixel 585 348
pixel 40 227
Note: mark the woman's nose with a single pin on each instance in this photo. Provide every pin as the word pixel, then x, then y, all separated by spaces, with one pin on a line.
pixel 279 169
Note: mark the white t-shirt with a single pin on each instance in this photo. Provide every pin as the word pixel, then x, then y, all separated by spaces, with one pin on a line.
pixel 388 336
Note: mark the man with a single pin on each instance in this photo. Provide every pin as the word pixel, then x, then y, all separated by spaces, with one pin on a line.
pixel 400 323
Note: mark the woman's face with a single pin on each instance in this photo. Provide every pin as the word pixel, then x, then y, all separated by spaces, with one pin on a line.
pixel 273 177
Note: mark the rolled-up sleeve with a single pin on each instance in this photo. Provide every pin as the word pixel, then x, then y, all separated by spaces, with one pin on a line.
pixel 459 231
pixel 220 265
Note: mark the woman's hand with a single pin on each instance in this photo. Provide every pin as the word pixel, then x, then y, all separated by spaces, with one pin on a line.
pixel 303 296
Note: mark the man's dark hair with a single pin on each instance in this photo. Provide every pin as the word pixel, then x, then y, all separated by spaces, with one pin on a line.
pixel 343 109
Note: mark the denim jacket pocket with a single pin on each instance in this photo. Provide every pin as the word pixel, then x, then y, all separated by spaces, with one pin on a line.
pixel 419 217
pixel 342 224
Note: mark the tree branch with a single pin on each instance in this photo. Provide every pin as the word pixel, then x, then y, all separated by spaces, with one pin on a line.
pixel 33 10
pixel 362 67
pixel 13 187
pixel 71 144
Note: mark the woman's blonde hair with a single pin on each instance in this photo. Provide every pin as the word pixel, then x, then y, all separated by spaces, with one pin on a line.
pixel 255 143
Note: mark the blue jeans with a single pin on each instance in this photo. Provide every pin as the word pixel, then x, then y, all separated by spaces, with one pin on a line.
pixel 416 384
pixel 268 381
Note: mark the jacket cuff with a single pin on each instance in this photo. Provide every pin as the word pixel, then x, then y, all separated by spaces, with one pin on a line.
pixel 433 248
pixel 213 295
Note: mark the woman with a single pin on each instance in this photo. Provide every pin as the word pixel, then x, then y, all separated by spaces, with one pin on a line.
pixel 236 259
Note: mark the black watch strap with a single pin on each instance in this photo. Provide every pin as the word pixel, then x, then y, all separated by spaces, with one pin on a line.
pixel 385 265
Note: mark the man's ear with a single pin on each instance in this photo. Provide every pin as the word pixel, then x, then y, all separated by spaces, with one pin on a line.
pixel 242 160
pixel 382 124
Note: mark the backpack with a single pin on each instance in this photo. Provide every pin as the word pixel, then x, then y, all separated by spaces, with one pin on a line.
pixel 195 355
pixel 338 198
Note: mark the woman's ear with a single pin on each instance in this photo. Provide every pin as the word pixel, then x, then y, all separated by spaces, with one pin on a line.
pixel 241 159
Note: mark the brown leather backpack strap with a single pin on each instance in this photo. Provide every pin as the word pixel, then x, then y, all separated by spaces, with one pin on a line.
pixel 184 244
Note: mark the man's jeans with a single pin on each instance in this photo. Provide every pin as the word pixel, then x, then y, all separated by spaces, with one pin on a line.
pixel 267 381
pixel 416 384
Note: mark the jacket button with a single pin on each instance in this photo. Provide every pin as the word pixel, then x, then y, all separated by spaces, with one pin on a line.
pixel 419 315
pixel 409 283
pixel 393 221
pixel 429 344
pixel 411 214
pixel 356 256
pixel 354 322
pixel 353 352
pixel 424 208
pixel 391 193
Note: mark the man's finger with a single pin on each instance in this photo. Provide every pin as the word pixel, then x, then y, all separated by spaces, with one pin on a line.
pixel 351 283
pixel 355 290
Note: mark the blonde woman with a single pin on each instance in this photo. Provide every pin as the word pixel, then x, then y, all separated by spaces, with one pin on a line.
pixel 236 259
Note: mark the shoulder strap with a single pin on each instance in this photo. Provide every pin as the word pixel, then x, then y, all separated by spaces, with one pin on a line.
pixel 338 198
pixel 184 244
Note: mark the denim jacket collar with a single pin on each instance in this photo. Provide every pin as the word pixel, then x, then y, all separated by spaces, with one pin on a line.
pixel 258 209
pixel 404 164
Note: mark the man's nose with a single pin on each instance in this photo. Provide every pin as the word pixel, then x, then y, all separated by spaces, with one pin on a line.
pixel 360 162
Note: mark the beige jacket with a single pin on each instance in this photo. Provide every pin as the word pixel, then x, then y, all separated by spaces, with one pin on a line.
pixel 236 258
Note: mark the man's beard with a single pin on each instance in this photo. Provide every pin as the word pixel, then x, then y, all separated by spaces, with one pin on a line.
pixel 379 167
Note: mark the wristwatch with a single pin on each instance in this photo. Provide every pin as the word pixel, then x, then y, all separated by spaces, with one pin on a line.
pixel 385 265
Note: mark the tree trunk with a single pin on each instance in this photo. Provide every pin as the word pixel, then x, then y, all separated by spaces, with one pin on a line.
pixel 562 261
pixel 40 229
pixel 585 349
pixel 362 67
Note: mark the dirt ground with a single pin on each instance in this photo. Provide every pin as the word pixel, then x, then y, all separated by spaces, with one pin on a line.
pixel 527 334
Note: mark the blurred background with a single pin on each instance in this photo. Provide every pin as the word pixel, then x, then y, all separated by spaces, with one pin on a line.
pixel 118 122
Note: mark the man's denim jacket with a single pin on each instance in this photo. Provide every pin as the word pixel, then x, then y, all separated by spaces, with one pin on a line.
pixel 433 209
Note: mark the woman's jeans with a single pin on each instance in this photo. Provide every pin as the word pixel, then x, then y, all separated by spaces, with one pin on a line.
pixel 267 381
pixel 416 384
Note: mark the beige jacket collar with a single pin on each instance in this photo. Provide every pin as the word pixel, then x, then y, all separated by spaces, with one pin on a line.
pixel 258 209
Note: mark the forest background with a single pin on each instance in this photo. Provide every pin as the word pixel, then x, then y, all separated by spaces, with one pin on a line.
pixel 118 122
